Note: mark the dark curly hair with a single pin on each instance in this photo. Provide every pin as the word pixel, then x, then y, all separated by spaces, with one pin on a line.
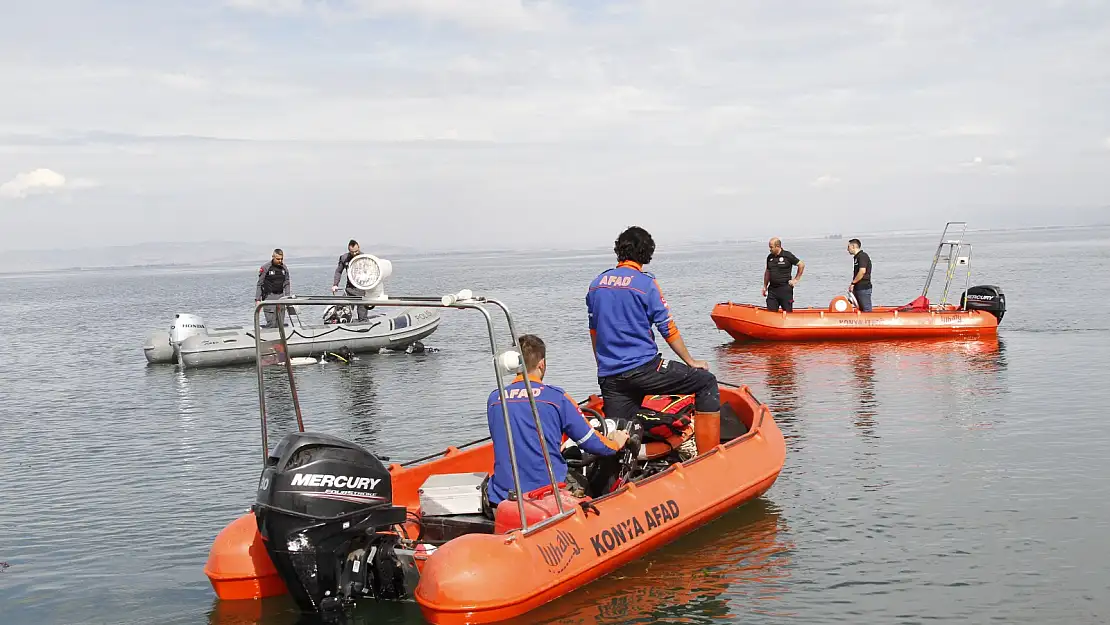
pixel 634 244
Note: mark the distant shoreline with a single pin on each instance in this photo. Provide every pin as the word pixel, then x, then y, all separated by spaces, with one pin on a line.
pixel 317 258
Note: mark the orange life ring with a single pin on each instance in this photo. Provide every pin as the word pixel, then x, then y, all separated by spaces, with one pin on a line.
pixel 840 303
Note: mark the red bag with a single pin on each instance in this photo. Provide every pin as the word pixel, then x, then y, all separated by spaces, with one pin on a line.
pixel 666 416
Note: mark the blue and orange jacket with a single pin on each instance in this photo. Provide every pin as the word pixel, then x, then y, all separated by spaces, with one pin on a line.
pixel 559 415
pixel 623 304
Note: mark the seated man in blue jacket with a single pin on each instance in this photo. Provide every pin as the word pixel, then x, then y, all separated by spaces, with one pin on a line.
pixel 559 415
pixel 623 304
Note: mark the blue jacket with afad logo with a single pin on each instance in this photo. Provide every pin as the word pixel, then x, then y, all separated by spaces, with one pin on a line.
pixel 559 415
pixel 623 304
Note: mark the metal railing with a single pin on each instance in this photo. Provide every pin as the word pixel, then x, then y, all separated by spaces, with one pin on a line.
pixel 461 300
pixel 952 261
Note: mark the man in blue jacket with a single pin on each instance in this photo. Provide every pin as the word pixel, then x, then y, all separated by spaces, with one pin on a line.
pixel 559 415
pixel 623 304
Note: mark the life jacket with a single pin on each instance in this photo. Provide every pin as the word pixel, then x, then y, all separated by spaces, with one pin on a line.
pixel 666 417
pixel 274 282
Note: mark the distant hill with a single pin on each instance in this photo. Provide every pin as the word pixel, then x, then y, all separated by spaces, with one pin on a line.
pixel 168 254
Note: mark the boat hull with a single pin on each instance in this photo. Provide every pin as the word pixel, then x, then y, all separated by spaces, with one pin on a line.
pixel 746 322
pixel 487 577
pixel 482 578
pixel 235 345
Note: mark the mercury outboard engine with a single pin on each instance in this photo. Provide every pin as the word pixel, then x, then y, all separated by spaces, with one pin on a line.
pixel 325 512
pixel 985 297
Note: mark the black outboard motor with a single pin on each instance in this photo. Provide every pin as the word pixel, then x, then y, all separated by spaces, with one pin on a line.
pixel 985 297
pixel 325 511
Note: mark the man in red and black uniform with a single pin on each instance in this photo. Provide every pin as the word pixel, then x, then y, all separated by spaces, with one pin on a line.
pixel 778 286
pixel 623 304
pixel 273 283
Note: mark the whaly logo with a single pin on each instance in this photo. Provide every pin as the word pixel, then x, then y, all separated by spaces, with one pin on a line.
pixel 554 552
pixel 335 481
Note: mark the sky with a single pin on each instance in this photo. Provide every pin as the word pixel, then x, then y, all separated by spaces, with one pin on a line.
pixel 509 123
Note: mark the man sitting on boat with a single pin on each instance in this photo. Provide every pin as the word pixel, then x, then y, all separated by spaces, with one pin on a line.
pixel 623 304
pixel 559 415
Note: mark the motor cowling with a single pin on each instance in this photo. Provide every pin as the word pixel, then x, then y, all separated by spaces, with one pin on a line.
pixel 184 326
pixel 986 297
pixel 322 505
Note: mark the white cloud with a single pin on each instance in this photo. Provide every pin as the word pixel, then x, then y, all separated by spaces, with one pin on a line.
pixel 41 181
pixel 35 181
pixel 826 180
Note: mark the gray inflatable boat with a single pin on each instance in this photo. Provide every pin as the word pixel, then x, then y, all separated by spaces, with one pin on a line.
pixel 190 343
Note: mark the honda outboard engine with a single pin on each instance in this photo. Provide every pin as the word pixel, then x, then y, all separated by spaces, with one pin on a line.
pixel 985 297
pixel 184 326
pixel 325 512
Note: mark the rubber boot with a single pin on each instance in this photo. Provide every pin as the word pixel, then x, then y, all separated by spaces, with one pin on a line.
pixel 707 430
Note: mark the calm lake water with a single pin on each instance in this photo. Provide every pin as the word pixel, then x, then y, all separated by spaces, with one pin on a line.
pixel 959 480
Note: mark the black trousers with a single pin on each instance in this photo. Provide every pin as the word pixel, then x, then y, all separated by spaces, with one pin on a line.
pixel 624 392
pixel 781 296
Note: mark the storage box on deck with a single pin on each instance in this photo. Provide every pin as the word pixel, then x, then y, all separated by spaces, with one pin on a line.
pixel 451 493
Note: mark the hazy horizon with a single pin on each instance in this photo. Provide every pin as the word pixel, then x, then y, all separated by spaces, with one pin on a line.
pixel 209 253
pixel 544 123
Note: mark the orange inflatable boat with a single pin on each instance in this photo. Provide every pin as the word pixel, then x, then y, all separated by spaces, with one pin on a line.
pixel 749 322
pixel 979 312
pixel 332 525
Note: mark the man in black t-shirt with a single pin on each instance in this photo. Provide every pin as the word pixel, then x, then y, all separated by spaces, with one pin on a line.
pixel 861 275
pixel 778 286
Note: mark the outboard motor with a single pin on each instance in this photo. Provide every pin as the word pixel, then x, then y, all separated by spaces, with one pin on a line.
pixel 184 326
pixel 985 297
pixel 325 512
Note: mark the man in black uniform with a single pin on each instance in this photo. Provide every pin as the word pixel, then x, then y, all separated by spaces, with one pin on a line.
pixel 861 275
pixel 273 283
pixel 344 261
pixel 778 286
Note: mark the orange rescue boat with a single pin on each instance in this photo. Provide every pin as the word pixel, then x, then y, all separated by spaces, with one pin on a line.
pixel 332 525
pixel 979 312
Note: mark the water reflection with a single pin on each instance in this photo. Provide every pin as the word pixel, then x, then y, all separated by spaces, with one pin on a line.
pixel 357 399
pixel 963 366
pixel 742 559
pixel 863 376
pixel 774 364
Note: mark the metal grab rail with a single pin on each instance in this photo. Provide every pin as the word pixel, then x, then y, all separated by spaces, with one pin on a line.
pixel 954 246
pixel 461 300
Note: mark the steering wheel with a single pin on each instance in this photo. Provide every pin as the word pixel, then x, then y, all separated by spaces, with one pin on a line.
pixel 580 458
pixel 604 427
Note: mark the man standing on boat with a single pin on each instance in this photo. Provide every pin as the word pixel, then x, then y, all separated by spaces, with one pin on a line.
pixel 623 304
pixel 344 262
pixel 273 283
pixel 861 275
pixel 559 415
pixel 778 286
